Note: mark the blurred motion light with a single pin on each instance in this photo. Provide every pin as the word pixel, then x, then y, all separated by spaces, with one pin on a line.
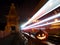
pixel 48 7
pixel 47 19
pixel 56 20
pixel 46 24
pixel 42 25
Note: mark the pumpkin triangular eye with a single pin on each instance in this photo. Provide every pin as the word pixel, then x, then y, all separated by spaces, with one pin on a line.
pixel 39 35
pixel 42 34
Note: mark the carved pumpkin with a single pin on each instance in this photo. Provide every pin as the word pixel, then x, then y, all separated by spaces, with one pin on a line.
pixel 41 35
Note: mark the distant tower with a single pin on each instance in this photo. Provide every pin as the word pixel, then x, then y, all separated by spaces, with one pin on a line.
pixel 12 19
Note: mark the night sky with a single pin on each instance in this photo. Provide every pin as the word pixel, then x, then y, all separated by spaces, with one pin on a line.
pixel 24 8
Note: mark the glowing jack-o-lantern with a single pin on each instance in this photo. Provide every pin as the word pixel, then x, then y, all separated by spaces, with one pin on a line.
pixel 41 35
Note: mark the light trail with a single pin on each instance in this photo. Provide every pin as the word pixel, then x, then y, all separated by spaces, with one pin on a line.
pixel 42 25
pixel 48 7
pixel 47 19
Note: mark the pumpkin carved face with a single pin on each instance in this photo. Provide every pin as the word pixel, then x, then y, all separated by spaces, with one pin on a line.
pixel 41 35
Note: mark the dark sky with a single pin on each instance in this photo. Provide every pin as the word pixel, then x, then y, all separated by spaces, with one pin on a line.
pixel 24 8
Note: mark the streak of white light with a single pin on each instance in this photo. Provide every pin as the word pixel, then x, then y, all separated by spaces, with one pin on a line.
pixel 48 7
pixel 42 25
pixel 47 19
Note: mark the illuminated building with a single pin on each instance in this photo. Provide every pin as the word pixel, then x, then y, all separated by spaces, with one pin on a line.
pixel 12 20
